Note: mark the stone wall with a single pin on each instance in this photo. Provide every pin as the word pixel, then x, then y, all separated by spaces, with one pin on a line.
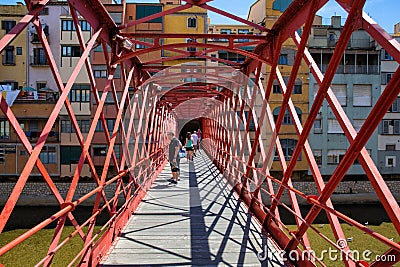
pixel 40 194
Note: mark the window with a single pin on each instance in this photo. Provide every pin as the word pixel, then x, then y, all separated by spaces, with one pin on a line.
pixel 388 77
pixel 39 57
pixel 395 107
pixel 283 59
pixel 385 126
pixel 40 85
pixel 297 90
pixel 71 51
pixel 99 150
pixel 130 17
pixel 99 127
pixel 67 25
pixel 117 151
pixel 362 95
pixel 116 16
pixel 390 161
pixel 79 93
pixel 334 126
pixel 390 147
pixel 85 26
pixel 318 156
pixel 147 10
pixel 243 31
pixel 66 126
pixel 213 56
pixel 358 123
pixel 44 11
pixel 396 126
pixel 100 71
pixel 70 154
pixel 109 98
pixel 288 146
pixel 340 91
pixel 224 31
pixel 335 156
pixel 8 57
pixel 7 25
pixel 33 126
pixel 4 129
pixel 192 22
pixel 318 125
pixel 48 155
pixel 19 50
pixel 287 119
pixel 276 89
pixel 387 56
pixel 191 48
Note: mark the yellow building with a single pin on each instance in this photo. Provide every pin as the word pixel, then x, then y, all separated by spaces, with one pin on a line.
pixel 192 20
pixel 13 67
pixel 228 29
pixel 266 13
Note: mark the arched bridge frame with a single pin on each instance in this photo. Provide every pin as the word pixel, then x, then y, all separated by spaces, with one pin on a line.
pixel 139 166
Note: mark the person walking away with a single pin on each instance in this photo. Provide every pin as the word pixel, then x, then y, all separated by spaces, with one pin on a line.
pixel 189 146
pixel 173 156
pixel 198 138
pixel 195 142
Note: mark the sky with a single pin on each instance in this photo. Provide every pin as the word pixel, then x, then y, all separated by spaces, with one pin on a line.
pixel 384 12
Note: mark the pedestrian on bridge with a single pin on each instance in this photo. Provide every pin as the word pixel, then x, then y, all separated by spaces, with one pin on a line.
pixel 195 139
pixel 189 146
pixel 173 156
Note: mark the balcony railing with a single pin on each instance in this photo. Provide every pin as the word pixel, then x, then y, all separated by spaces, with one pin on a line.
pixel 48 97
pixel 38 61
pixel 354 69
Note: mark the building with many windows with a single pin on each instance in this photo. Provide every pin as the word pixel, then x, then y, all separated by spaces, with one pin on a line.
pixel 356 85
pixel 389 130
pixel 13 58
pixel 266 13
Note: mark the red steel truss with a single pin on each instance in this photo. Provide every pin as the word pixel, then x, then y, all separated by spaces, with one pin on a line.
pixel 148 115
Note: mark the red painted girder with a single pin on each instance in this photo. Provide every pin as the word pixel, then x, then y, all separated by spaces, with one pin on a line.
pixel 234 17
pixel 391 45
pixel 97 16
pixel 12 200
pixel 158 35
pixel 154 16
pixel 381 188
pixel 334 63
pixel 15 31
pixel 184 45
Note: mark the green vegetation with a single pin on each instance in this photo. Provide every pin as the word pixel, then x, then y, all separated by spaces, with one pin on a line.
pixel 358 241
pixel 34 249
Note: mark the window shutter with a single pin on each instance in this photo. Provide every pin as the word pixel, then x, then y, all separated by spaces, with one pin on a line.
pixel 358 123
pixel 362 95
pixel 340 91
pixel 334 126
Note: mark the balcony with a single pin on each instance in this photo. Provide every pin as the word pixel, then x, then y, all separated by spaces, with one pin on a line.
pixel 38 61
pixel 34 136
pixel 35 37
pixel 33 96
pixel 353 69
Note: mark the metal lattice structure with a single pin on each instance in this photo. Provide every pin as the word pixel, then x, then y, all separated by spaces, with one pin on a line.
pixel 157 105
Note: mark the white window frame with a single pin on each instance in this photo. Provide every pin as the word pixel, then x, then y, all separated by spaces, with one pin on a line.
pixel 390 158
pixel 362 100
pixel 334 127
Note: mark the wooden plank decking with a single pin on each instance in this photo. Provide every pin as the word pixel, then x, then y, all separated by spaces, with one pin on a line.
pixel 199 222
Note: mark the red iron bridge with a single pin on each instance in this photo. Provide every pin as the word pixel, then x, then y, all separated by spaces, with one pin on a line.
pixel 226 209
